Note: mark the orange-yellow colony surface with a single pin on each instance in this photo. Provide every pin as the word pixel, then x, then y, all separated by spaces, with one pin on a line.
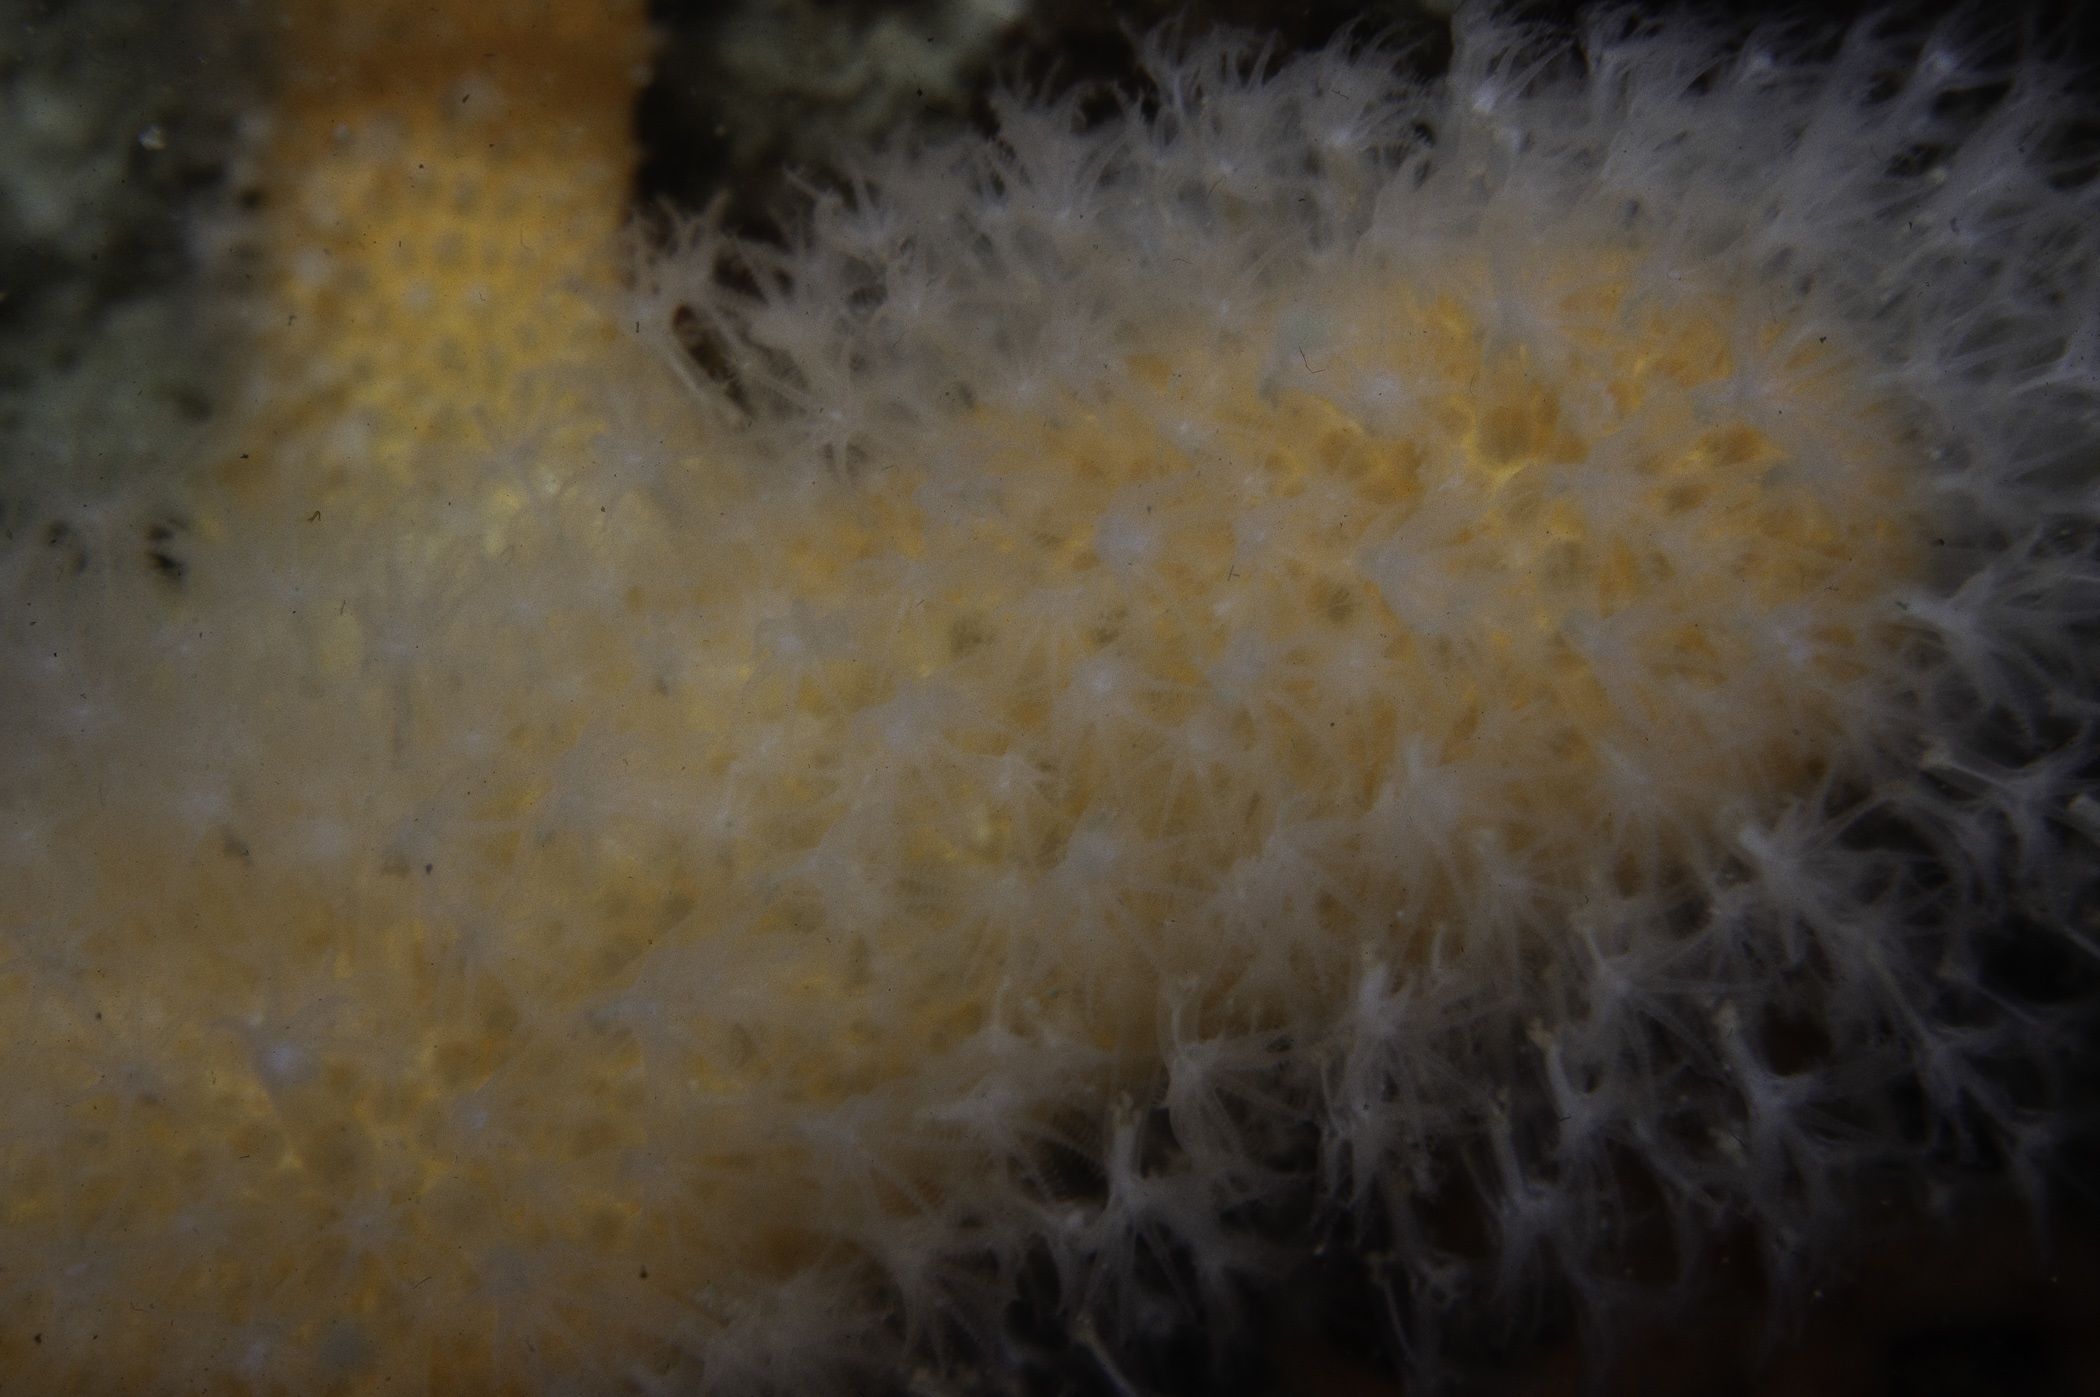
pixel 571 890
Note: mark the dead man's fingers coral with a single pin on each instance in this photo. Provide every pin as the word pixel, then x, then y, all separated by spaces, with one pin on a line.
pixel 774 813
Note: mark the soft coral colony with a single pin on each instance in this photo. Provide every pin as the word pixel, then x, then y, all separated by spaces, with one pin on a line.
pixel 1145 694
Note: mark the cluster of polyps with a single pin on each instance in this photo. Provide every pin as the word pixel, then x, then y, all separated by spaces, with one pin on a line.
pixel 1192 682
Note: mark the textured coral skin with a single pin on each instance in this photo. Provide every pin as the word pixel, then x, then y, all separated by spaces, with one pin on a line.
pixel 1143 696
pixel 445 188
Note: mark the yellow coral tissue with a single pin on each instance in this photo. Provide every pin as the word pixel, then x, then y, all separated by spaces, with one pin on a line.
pixel 941 802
